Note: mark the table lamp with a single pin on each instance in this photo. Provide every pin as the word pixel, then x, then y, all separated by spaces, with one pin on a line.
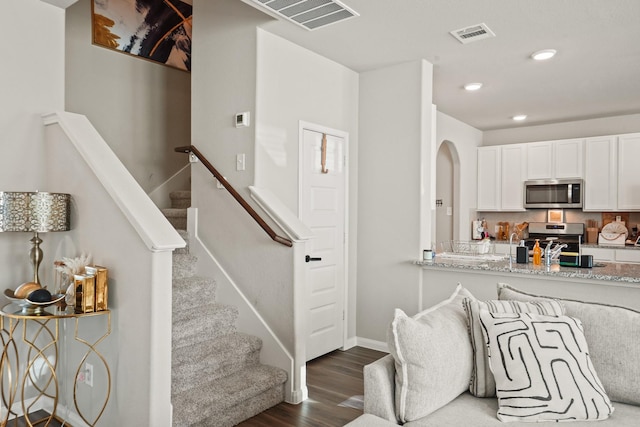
pixel 37 212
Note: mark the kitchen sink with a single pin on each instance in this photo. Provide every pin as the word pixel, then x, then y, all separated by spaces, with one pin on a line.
pixel 471 257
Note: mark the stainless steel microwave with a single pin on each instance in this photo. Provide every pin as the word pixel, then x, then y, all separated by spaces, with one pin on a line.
pixel 553 193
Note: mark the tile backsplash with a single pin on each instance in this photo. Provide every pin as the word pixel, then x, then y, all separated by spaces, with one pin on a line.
pixel 540 215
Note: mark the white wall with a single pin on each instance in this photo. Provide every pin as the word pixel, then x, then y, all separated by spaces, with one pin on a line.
pixel 465 139
pixel 394 102
pixel 141 108
pixel 31 83
pixel 227 49
pixel 224 83
pixel 280 84
pixel 100 228
pixel 576 129
pixel 296 84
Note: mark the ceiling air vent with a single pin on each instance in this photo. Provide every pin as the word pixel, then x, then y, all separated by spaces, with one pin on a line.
pixel 309 14
pixel 473 33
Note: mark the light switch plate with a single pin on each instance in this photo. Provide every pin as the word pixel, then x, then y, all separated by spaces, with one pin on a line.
pixel 240 162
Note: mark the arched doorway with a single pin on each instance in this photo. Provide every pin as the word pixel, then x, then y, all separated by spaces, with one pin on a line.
pixel 447 193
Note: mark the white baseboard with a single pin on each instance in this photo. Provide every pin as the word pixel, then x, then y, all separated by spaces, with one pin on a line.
pixel 350 343
pixel 372 344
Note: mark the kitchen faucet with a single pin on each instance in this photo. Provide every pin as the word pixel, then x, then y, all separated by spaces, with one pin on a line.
pixel 510 244
pixel 553 253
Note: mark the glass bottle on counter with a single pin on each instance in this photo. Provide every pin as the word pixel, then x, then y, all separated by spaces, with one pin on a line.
pixel 537 253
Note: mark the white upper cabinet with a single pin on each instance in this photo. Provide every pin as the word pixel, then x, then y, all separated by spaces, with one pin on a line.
pixel 568 158
pixel 600 177
pixel 609 165
pixel 612 173
pixel 540 160
pixel 489 172
pixel 629 172
pixel 513 176
pixel 501 174
pixel 555 159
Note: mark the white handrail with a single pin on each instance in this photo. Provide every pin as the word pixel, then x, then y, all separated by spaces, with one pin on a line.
pixel 290 224
pixel 148 221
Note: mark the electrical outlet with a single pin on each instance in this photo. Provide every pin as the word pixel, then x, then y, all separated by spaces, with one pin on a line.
pixel 85 376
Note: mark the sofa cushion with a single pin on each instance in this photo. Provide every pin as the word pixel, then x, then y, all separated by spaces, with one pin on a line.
pixel 432 355
pixel 482 383
pixel 368 420
pixel 468 410
pixel 542 368
pixel 613 334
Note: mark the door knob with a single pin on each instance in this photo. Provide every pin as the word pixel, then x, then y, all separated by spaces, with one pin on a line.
pixel 309 258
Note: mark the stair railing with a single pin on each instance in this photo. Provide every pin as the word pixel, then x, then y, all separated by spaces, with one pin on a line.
pixel 257 218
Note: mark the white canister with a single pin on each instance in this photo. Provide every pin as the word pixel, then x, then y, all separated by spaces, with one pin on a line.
pixel 427 255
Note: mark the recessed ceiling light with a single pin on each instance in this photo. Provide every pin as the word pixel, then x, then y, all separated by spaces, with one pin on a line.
pixel 541 55
pixel 519 117
pixel 472 86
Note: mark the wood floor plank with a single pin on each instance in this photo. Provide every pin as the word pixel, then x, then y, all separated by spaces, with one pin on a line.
pixel 331 380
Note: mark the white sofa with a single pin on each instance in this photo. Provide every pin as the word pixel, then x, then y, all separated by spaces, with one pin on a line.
pixel 612 334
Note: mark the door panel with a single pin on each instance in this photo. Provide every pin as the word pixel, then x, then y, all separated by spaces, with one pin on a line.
pixel 322 209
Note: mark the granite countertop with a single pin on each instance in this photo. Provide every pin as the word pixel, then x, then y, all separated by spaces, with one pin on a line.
pixel 587 245
pixel 595 245
pixel 617 272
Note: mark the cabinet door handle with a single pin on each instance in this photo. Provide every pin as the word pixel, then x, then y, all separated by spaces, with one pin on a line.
pixel 309 258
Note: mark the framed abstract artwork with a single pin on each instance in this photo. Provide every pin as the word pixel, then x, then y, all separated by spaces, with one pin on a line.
pixel 157 30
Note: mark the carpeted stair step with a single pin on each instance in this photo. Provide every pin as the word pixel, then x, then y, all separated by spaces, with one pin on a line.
pixel 216 378
pixel 177 217
pixel 227 401
pixel 184 265
pixel 194 365
pixel 180 199
pixel 187 291
pixel 202 322
pixel 185 236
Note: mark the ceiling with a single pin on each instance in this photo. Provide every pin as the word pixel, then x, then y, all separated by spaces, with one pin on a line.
pixel 596 72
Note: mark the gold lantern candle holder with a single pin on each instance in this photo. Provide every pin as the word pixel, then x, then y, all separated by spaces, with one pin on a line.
pixel 101 287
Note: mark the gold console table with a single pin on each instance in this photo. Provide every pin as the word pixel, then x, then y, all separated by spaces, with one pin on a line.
pixel 32 346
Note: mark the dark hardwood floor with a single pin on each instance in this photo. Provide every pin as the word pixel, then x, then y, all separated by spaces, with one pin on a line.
pixel 36 418
pixel 331 380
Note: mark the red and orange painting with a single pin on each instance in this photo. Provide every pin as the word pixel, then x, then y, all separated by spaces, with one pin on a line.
pixel 158 30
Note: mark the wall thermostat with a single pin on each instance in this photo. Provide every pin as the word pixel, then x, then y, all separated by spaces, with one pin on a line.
pixel 242 119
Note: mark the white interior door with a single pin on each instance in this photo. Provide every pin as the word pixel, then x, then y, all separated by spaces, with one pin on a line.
pixel 322 209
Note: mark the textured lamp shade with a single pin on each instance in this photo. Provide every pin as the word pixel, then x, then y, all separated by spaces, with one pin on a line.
pixel 37 212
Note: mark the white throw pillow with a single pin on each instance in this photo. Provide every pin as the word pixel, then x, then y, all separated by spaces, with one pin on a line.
pixel 542 369
pixel 613 334
pixel 433 356
pixel 482 383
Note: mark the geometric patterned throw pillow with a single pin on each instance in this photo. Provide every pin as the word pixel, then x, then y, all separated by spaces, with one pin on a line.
pixel 542 369
pixel 482 383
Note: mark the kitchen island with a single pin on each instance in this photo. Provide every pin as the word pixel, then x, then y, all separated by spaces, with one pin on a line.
pixel 607 282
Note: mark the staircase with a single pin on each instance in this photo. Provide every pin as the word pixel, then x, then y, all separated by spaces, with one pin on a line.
pixel 216 379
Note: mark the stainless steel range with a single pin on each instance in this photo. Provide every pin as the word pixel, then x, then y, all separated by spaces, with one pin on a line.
pixel 571 234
